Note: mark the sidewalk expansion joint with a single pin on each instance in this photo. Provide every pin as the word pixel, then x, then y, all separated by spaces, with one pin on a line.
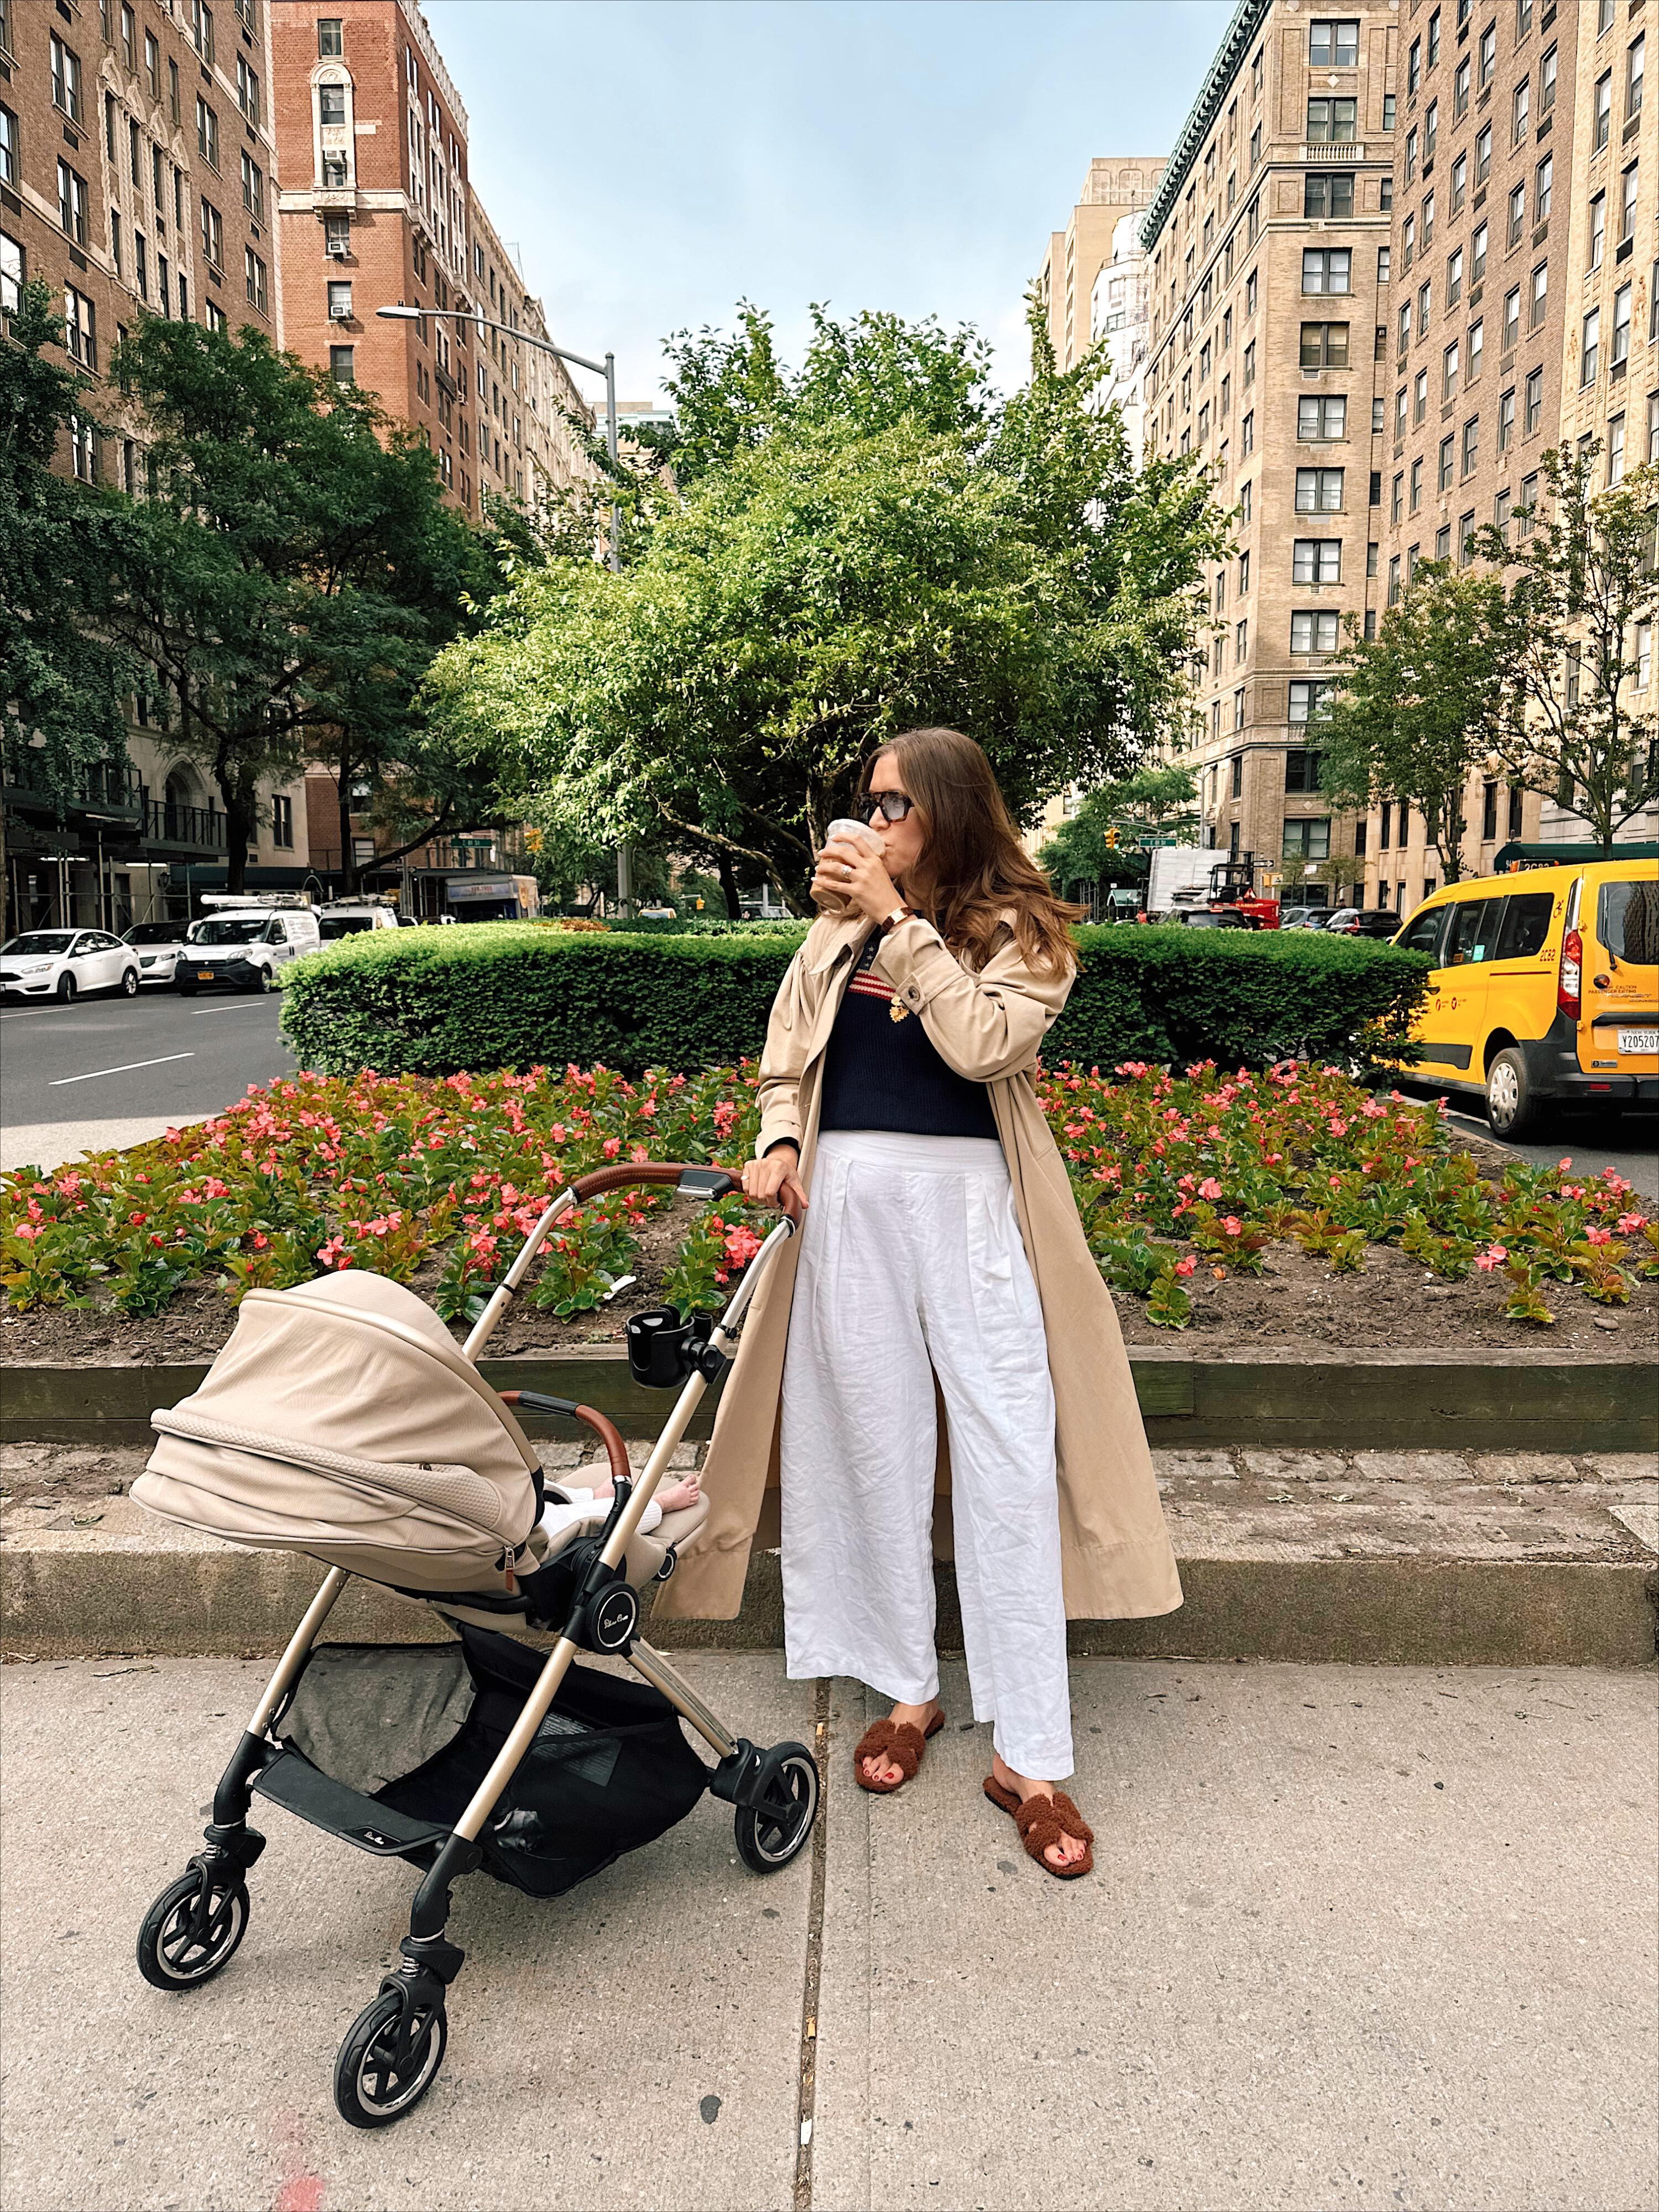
pixel 806 2101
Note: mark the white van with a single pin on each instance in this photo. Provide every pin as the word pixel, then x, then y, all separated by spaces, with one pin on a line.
pixel 246 942
pixel 346 917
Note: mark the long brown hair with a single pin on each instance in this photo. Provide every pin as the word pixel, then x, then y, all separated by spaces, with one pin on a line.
pixel 973 867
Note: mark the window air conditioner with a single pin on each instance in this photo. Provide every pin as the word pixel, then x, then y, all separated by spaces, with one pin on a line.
pixel 336 249
pixel 339 314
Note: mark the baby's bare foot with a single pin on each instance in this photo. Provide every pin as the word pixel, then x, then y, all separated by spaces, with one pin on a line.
pixel 674 1497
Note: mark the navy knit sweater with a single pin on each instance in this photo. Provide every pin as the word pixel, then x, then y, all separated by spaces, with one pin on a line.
pixel 883 1074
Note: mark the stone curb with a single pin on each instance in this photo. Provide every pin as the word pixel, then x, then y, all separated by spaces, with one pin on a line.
pixel 1403 1558
pixel 1293 1397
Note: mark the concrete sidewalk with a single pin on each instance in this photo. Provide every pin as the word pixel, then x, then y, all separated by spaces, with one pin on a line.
pixel 1356 1937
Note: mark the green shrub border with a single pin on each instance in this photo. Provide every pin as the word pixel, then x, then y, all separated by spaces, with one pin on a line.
pixel 513 994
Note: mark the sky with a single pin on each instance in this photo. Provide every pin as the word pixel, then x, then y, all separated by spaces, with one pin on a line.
pixel 656 163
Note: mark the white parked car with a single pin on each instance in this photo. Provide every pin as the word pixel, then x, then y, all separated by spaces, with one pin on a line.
pixel 158 945
pixel 61 964
pixel 245 947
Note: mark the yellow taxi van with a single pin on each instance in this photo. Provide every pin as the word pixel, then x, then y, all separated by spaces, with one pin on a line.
pixel 1544 988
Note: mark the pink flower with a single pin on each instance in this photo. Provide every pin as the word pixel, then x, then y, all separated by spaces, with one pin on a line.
pixel 28 1231
pixel 1186 1267
pixel 1209 1188
pixel 1599 1236
pixel 1232 1224
pixel 1493 1256
pixel 1632 1225
pixel 612 1146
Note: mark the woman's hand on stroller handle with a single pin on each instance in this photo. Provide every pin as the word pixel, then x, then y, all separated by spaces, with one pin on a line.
pixel 775 1181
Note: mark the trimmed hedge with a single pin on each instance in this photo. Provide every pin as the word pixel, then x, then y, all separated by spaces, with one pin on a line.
pixel 509 994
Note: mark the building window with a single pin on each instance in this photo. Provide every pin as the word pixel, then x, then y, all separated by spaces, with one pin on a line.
pixel 65 79
pixel 1460 182
pixel 1320 416
pixel 213 236
pixel 1405 326
pixel 1304 702
pixel 1326 269
pixel 1331 122
pixel 207 133
pixel 282 820
pixel 1602 127
pixel 80 329
pixel 1318 492
pixel 1425 307
pixel 1307 841
pixel 1616 449
pixel 1506 421
pixel 1653 425
pixel 9 150
pixel 1543 189
pixel 341 364
pixel 1301 767
pixel 1317 561
pixel 1328 195
pixel 1447 464
pixel 1627 197
pixel 1476 350
pixel 1442 542
pixel 83 449
pixel 1417 484
pixel 337 235
pixel 253 278
pixel 1621 300
pixel 253 188
pixel 1247 435
pixel 1461 90
pixel 1541 294
pixel 13 270
pixel 339 301
pixel 1324 345
pixel 1426 229
pixel 330 37
pixel 216 319
pixel 1334 42
pixel 1420 396
pixel 1478 255
pixel 72 203
pixel 1633 79
pixel 1483 155
pixel 1466 538
pixel 1394 579
pixel 1314 629
pixel 1471 443
pixel 1589 351
pixel 1397 502
pixel 1520 108
pixel 1535 400
pixel 331 103
pixel 1454 279
pixel 1517 213
pixel 1598 229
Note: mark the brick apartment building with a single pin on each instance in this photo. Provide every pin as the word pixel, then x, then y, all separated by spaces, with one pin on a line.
pixel 1270 238
pixel 138 174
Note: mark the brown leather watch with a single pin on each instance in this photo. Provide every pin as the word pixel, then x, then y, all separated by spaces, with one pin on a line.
pixel 899 913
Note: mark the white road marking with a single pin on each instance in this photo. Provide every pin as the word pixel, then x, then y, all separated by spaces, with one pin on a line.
pixel 126 1068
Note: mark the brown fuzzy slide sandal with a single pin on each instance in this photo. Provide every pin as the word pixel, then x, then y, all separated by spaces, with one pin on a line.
pixel 900 1743
pixel 1042 1821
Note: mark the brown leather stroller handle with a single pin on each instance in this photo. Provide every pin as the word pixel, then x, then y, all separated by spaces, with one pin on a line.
pixel 637 1171
pixel 616 1449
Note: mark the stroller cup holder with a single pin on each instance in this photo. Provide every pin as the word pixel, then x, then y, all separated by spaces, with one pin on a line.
pixel 664 1352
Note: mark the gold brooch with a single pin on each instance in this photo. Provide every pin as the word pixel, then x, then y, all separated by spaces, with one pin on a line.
pixel 898 1010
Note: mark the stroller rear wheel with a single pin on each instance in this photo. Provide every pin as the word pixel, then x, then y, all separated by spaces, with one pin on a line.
pixel 191 1931
pixel 389 2059
pixel 772 1830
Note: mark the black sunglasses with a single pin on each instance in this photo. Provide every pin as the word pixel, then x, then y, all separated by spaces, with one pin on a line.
pixel 893 805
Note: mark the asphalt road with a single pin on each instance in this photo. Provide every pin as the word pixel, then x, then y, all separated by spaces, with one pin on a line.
pixel 113 1071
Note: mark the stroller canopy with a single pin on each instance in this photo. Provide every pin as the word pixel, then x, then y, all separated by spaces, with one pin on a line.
pixel 341 1420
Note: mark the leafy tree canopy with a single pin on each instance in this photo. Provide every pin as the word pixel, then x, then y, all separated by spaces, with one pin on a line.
pixel 62 685
pixel 289 576
pixel 868 543
pixel 1418 708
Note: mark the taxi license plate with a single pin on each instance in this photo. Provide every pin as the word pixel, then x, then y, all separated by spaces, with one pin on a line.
pixel 206 975
pixel 1639 1041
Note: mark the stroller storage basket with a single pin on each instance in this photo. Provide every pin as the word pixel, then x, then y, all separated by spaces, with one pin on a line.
pixel 384 1747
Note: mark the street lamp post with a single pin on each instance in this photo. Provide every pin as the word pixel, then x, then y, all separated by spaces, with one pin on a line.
pixel 607 369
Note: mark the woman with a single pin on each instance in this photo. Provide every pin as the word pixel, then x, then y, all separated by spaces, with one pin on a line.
pixel 897 1095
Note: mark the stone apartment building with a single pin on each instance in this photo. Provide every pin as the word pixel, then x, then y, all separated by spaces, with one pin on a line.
pixel 138 174
pixel 1271 238
pixel 1610 324
pixel 1076 255
pixel 1121 312
pixel 527 399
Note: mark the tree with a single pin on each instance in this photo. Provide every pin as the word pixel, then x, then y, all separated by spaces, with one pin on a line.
pixel 1152 805
pixel 289 577
pixel 1587 580
pixel 868 543
pixel 63 685
pixel 1421 706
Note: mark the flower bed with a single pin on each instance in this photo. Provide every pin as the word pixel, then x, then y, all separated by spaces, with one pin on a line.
pixel 1177 1176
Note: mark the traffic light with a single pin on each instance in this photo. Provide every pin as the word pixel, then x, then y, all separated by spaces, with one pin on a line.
pixel 1111 840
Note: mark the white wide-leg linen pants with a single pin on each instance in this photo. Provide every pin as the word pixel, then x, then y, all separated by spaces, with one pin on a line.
pixel 912 1264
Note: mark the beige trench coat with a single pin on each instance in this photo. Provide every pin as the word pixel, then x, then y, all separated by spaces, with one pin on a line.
pixel 1118 1560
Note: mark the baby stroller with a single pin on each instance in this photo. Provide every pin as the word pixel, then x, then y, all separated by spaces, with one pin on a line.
pixel 341 1421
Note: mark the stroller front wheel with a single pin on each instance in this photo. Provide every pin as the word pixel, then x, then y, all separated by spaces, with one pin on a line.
pixel 389 2060
pixel 770 1831
pixel 191 1931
